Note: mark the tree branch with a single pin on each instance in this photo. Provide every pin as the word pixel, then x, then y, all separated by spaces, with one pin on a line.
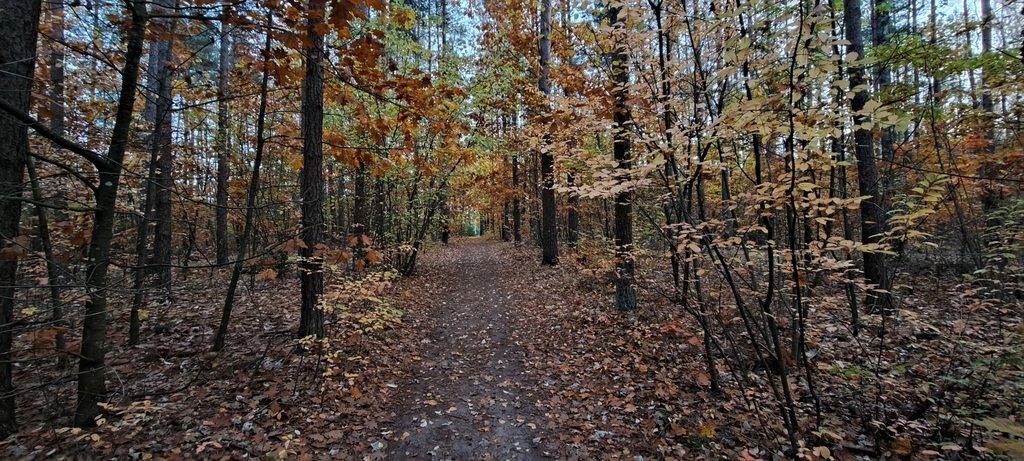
pixel 100 161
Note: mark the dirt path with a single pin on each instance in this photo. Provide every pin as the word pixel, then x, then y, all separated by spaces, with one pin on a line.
pixel 468 395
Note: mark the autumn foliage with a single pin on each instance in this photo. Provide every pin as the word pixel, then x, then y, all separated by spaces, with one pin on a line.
pixel 750 229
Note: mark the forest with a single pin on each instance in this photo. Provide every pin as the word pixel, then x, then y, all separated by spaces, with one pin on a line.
pixel 512 229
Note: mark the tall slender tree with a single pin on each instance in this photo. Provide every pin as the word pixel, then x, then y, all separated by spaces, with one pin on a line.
pixel 990 196
pixel 872 211
pixel 162 141
pixel 223 141
pixel 55 63
pixel 625 293
pixel 549 216
pixel 19 23
pixel 311 320
pixel 92 387
pixel 250 201
pixel 881 30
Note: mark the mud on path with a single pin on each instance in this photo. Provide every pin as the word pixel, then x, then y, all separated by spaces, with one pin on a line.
pixel 466 394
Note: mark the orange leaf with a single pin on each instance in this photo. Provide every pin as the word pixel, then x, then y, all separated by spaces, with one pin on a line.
pixel 268 274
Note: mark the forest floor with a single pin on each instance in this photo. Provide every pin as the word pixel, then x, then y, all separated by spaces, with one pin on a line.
pixel 485 354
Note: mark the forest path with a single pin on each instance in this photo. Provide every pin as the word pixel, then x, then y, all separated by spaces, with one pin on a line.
pixel 468 394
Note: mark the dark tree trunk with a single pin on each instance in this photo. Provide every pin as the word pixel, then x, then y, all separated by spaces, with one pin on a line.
pixel 573 216
pixel 359 203
pixel 155 113
pixel 517 207
pixel 379 213
pixel 250 201
pixel 672 209
pixel 359 215
pixel 872 213
pixel 92 387
pixel 311 322
pixel 57 68
pixel 57 120
pixel 443 221
pixel 990 195
pixel 162 244
pixel 339 208
pixel 625 293
pixel 52 271
pixel 223 141
pixel 534 200
pixel 880 32
pixel 549 216
pixel 506 227
pixel 19 22
pixel 573 219
pixel 839 187
pixel 142 253
pixel 157 110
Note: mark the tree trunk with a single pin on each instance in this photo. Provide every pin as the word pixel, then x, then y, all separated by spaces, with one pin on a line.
pixel 52 271
pixel 359 202
pixel 57 119
pixel 672 209
pixel 311 322
pixel 379 213
pixel 92 387
pixel 534 199
pixel 157 113
pixel 838 187
pixel 990 194
pixel 250 201
pixel 880 32
pixel 969 52
pixel 573 220
pixel 142 253
pixel 57 68
pixel 872 213
pixel 443 222
pixel 224 144
pixel 517 207
pixel 549 216
pixel 19 22
pixel 359 214
pixel 162 141
pixel 625 293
